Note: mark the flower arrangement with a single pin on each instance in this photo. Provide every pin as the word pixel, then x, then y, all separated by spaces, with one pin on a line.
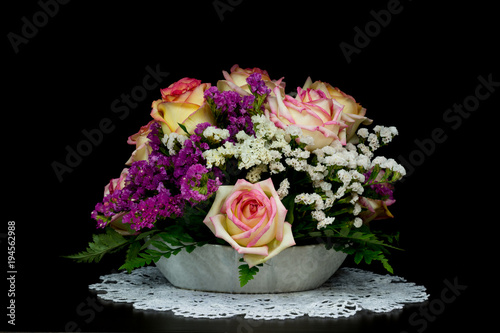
pixel 246 165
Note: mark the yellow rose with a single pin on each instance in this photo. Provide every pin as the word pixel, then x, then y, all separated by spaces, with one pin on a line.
pixel 236 80
pixel 182 103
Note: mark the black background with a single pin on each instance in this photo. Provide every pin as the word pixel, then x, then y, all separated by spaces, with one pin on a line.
pixel 64 79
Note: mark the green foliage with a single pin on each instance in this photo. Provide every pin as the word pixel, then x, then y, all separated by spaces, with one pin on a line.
pixel 359 242
pixel 183 127
pixel 102 244
pixel 169 242
pixel 247 273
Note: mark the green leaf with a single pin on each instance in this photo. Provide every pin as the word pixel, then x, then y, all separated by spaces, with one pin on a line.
pixel 358 257
pixel 109 242
pixel 247 273
pixel 190 248
pixel 345 231
pixel 133 250
pixel 184 128
pixel 289 203
pixel 374 174
pixel 386 265
pixel 161 246
pixel 132 264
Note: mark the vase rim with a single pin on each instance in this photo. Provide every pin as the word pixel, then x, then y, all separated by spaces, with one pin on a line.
pixel 295 246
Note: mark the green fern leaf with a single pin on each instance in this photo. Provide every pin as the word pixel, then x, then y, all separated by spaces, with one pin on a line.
pixel 109 242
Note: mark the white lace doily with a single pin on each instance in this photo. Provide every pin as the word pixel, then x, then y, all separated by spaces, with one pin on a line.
pixel 347 292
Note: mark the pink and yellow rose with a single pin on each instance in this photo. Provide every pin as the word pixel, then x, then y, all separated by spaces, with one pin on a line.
pixel 352 112
pixel 116 221
pixel 321 111
pixel 141 142
pixel 376 209
pixel 116 183
pixel 251 218
pixel 182 103
pixel 312 111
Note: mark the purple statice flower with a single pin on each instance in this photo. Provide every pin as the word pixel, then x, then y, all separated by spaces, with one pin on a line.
pixel 211 92
pixel 153 136
pixel 196 186
pixel 200 128
pixel 384 190
pixel 246 103
pixel 159 187
pixel 257 85
pixel 227 101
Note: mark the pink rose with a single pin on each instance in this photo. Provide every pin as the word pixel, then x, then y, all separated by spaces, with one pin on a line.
pixel 378 209
pixel 116 221
pixel 141 142
pixel 318 115
pixel 352 112
pixel 182 103
pixel 117 183
pixel 251 218
pixel 323 112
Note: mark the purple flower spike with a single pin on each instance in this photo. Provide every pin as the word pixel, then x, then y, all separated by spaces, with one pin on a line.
pixel 257 85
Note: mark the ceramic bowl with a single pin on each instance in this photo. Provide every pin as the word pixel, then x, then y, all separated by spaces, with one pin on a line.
pixel 215 268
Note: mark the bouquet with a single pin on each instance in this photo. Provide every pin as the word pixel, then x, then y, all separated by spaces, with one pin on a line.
pixel 244 164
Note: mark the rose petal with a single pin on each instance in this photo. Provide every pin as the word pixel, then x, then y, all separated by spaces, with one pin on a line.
pixel 274 248
pixel 216 224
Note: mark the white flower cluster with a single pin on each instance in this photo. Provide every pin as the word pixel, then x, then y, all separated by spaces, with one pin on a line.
pixel 261 152
pixel 338 174
pixel 382 135
pixel 283 189
pixel 169 140
pixel 215 134
pixel 336 171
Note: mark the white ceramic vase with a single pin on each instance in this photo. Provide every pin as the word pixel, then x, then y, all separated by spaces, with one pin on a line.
pixel 215 268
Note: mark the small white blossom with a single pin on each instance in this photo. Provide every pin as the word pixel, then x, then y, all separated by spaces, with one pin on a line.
pixel 363 161
pixel 276 167
pixel 365 150
pixel 356 187
pixel 363 132
pixel 216 134
pixel 169 140
pixel 357 176
pixel 306 139
pixel 326 186
pixel 253 176
pixel 329 150
pixel 373 141
pixel 318 215
pixel 329 201
pixel 283 189
pixel 358 222
pixel 357 209
pixel 299 165
pixel 325 222
pixel 335 160
pixel 293 130
pixel 340 192
pixel 344 176
pixel 379 160
pixel 350 147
